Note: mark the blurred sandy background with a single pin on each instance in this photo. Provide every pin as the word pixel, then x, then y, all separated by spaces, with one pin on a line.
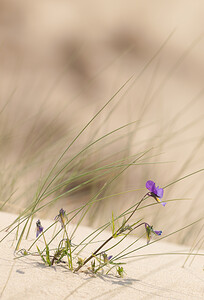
pixel 62 60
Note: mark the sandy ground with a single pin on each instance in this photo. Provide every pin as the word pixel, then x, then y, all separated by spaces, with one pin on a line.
pixel 158 277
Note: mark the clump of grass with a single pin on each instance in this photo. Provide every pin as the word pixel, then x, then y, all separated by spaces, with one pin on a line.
pixel 102 260
pixel 99 259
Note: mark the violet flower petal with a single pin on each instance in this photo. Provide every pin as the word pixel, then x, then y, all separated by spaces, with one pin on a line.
pixel 158 232
pixel 150 185
pixel 39 228
pixel 159 192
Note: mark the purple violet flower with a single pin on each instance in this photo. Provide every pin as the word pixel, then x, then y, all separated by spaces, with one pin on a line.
pixel 158 232
pixel 106 258
pixel 155 192
pixel 39 228
pixel 61 217
pixel 149 231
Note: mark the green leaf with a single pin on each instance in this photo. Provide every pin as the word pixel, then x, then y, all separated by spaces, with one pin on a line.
pixel 41 254
pixel 48 255
pixel 113 225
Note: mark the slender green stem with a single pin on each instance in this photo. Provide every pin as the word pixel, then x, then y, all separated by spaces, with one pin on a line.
pixel 69 257
pixel 113 235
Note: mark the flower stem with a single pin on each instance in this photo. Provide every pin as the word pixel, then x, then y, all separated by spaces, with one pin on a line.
pixel 118 232
pixel 69 257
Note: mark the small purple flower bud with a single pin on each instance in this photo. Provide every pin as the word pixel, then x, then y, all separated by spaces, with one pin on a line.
pixel 39 228
pixel 149 231
pixel 61 217
pixel 157 232
pixel 106 258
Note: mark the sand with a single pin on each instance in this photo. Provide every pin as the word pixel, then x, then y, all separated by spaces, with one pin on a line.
pixel 152 277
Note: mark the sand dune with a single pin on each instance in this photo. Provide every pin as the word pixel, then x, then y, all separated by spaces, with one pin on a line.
pixel 156 277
